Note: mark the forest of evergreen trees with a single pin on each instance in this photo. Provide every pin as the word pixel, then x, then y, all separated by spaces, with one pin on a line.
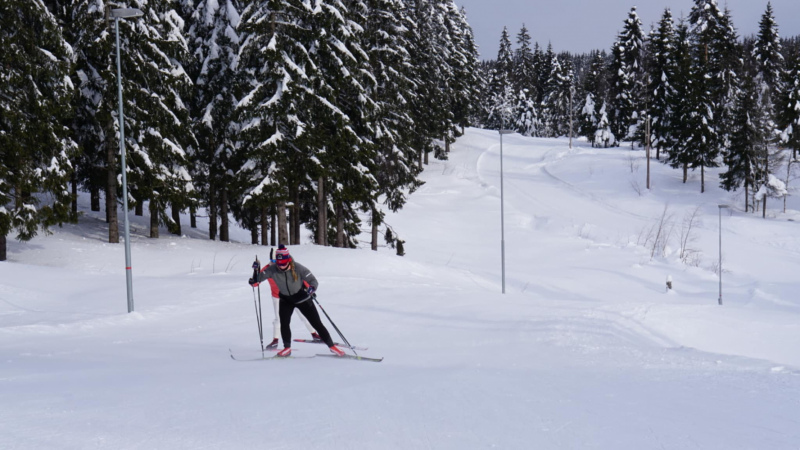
pixel 282 114
pixel 691 89
pixel 320 114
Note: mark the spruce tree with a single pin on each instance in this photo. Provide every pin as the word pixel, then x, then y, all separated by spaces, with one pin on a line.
pixel 559 99
pixel 661 69
pixel 214 47
pixel 595 86
pixel 626 77
pixel 387 43
pixel 788 112
pixel 678 103
pixel 95 125
pixel 466 85
pixel 748 142
pixel 524 71
pixel 158 127
pixel 526 114
pixel 769 66
pixel 500 85
pixel 35 143
pixel 345 120
pixel 526 110
pixel 274 113
pixel 710 91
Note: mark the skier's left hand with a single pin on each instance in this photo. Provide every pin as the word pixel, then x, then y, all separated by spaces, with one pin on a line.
pixel 256 265
pixel 252 282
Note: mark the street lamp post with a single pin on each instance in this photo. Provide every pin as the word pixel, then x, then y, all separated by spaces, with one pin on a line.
pixel 502 213
pixel 721 207
pixel 124 13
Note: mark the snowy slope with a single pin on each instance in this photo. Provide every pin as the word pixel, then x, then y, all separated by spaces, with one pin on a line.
pixel 585 350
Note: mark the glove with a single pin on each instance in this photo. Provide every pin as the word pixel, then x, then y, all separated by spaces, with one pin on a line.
pixel 252 282
pixel 311 290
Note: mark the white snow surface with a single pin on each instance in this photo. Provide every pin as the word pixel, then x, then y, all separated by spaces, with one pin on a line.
pixel 586 349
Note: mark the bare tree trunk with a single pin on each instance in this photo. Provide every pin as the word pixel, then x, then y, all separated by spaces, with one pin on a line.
pixel 322 225
pixel 746 196
pixel 685 172
pixel 296 218
pixel 339 225
pixel 788 178
pixel 273 227
pixel 283 235
pixel 264 226
pixel 139 208
pixel 426 158
pixel 74 210
pixel 223 227
pixel 111 186
pixel 766 179
pixel 212 212
pixel 94 195
pixel 446 144
pixel 3 248
pixel 254 234
pixel 702 179
pixel 375 224
pixel 154 219
pixel 193 216
pixel 176 217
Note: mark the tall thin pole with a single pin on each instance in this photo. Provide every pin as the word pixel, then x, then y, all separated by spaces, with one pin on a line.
pixel 720 255
pixel 502 220
pixel 570 117
pixel 647 139
pixel 128 275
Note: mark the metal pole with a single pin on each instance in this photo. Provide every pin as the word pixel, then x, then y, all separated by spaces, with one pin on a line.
pixel 647 140
pixel 502 220
pixel 720 254
pixel 128 275
pixel 344 339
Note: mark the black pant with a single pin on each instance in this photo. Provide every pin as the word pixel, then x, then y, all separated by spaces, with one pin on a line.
pixel 286 308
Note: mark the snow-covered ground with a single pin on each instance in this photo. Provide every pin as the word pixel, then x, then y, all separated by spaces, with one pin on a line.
pixel 586 349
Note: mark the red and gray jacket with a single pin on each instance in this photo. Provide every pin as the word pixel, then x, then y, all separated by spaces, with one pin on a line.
pixel 285 286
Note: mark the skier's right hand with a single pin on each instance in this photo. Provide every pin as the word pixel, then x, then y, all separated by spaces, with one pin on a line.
pixel 252 282
pixel 256 265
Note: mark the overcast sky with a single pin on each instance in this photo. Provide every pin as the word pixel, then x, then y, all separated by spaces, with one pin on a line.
pixel 582 25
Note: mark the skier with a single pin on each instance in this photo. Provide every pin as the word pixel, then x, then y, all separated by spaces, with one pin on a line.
pixel 295 284
pixel 276 324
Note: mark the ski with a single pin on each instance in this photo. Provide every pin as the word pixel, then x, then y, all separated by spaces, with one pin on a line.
pixel 356 357
pixel 264 357
pixel 312 341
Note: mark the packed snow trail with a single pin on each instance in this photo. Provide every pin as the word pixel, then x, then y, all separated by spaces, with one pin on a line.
pixel 586 349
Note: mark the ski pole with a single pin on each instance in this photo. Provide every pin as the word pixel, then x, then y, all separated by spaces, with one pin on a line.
pixel 256 268
pixel 314 296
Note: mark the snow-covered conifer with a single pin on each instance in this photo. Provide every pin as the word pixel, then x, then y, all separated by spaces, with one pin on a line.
pixel 788 111
pixel 769 65
pixel 595 86
pixel 35 143
pixel 501 90
pixel 524 71
pixel 627 77
pixel 748 142
pixel 214 47
pixel 662 67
